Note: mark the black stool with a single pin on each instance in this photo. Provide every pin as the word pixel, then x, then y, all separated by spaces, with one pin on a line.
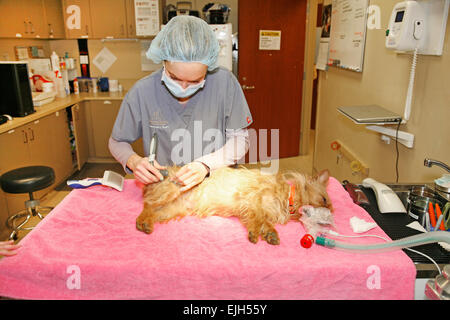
pixel 27 180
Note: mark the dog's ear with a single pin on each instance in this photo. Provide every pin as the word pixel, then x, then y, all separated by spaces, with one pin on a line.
pixel 323 177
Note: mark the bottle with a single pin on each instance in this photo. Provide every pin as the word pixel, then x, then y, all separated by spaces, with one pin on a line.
pixel 76 88
pixel 65 76
pixel 54 61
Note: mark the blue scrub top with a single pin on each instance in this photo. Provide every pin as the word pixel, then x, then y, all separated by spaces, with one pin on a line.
pixel 185 131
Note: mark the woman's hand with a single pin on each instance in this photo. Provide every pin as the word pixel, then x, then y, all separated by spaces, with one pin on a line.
pixel 144 171
pixel 191 175
pixel 8 248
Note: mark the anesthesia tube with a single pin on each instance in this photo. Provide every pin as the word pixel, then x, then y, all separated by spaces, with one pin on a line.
pixel 412 241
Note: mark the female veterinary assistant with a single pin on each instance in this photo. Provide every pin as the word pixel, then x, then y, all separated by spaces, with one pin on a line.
pixel 197 109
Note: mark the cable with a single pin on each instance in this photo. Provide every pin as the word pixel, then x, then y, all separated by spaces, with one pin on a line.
pixel 410 86
pixel 380 237
pixel 396 149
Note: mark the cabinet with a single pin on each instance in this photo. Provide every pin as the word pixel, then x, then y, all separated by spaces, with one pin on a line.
pixel 54 23
pixel 35 144
pixel 99 19
pixel 31 19
pixel 109 19
pixel 77 19
pixel 100 119
pixel 22 19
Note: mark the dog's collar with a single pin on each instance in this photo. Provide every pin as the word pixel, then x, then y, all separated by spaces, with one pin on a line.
pixel 291 197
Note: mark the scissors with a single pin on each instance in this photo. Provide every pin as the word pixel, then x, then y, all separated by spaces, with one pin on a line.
pixel 446 215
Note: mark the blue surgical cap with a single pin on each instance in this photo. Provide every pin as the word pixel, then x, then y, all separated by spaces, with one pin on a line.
pixel 185 39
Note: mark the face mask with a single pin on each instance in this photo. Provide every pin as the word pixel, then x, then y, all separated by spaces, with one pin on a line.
pixel 178 90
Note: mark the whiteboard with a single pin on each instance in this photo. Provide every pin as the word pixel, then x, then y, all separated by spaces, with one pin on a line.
pixel 348 34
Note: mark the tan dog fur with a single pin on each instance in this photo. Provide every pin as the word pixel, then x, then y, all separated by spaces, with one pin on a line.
pixel 259 200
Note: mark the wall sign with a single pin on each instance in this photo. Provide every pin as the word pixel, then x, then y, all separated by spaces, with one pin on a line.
pixel 269 39
pixel 147 17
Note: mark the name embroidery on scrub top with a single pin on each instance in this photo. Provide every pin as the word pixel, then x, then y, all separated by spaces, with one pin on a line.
pixel 157 121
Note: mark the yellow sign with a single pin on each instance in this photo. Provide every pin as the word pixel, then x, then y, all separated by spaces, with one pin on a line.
pixel 269 39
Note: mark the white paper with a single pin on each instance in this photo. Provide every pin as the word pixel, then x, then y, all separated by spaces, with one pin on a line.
pixel 147 17
pixel 104 60
pixel 84 59
pixel 348 32
pixel 22 54
pixel 269 39
pixel 322 57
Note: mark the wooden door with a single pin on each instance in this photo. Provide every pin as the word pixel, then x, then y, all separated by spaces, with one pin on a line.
pixel 77 19
pixel 54 22
pixel 108 18
pixel 80 133
pixel 272 80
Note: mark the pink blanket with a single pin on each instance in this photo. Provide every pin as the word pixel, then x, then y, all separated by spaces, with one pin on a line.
pixel 88 248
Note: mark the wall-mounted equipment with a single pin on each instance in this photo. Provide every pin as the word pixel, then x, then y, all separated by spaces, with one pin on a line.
pixel 407 27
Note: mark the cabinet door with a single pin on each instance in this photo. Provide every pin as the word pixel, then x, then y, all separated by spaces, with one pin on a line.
pixel 103 115
pixel 13 23
pixel 39 142
pixel 60 140
pixel 34 12
pixel 77 19
pixel 131 22
pixel 14 145
pixel 108 19
pixel 54 22
pixel 40 146
pixel 80 133
pixel 4 214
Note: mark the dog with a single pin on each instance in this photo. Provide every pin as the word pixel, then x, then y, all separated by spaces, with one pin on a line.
pixel 259 200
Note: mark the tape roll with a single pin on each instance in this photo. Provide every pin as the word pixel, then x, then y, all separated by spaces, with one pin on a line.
pixel 335 145
pixel 355 166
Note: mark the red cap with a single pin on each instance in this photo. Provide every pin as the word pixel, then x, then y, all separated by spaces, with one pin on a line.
pixel 307 241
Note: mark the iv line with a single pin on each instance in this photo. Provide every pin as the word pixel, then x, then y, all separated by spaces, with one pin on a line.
pixel 387 240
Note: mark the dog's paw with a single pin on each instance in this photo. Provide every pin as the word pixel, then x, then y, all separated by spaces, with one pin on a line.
pixel 144 226
pixel 272 238
pixel 252 237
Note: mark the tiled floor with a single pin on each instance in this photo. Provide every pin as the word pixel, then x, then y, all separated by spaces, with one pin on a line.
pixel 95 170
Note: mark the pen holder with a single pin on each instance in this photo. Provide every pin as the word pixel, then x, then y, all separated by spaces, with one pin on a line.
pixel 103 84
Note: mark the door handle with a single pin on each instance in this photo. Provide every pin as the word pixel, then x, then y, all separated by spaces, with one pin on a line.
pixel 32 134
pixel 25 137
pixel 245 87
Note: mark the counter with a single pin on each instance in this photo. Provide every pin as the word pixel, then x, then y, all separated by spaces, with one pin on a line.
pixel 59 104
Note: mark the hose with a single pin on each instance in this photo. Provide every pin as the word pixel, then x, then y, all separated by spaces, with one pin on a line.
pixel 412 241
